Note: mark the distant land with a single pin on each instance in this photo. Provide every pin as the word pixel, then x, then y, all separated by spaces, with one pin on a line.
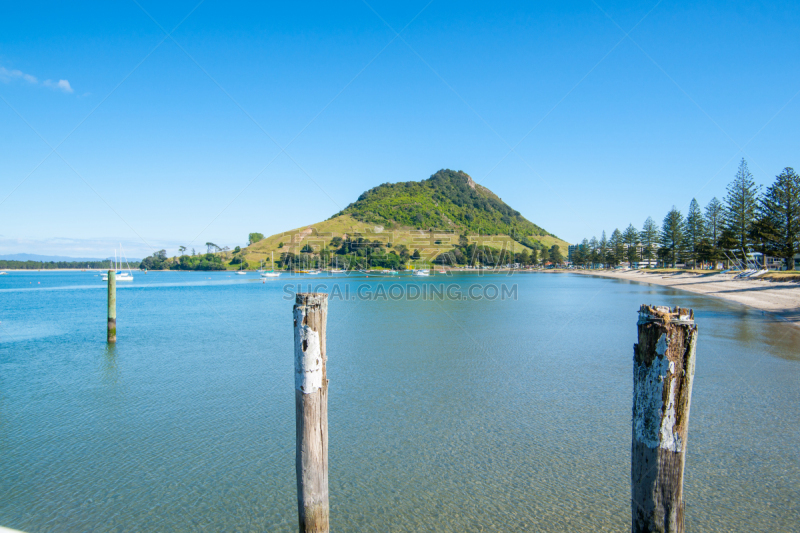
pixel 445 219
pixel 54 258
pixel 418 215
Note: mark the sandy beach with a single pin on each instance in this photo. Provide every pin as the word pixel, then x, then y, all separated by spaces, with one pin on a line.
pixel 780 298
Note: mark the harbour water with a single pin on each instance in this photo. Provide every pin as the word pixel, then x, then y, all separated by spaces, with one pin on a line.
pixel 446 414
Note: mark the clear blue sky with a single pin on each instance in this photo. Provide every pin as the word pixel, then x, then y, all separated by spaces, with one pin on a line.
pixel 267 117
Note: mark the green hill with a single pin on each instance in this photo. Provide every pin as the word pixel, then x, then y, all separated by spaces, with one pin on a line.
pixel 429 216
pixel 448 200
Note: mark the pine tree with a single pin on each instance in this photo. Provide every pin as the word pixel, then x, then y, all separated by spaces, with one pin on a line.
pixel 695 231
pixel 714 212
pixel 763 235
pixel 555 255
pixel 713 220
pixel 781 205
pixel 616 248
pixel 631 238
pixel 585 253
pixel 672 234
pixel 602 249
pixel 649 238
pixel 741 203
pixel 594 257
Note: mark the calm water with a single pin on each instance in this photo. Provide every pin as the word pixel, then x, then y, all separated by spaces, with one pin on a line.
pixel 445 415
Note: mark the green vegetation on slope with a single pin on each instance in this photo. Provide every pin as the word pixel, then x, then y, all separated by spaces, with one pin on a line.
pixel 160 261
pixel 448 200
pixel 430 216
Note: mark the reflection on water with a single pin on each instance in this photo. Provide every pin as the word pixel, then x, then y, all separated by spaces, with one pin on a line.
pixel 109 369
pixel 445 415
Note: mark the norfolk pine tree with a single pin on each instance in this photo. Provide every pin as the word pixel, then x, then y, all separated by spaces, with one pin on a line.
pixel 616 248
pixel 630 237
pixel 695 231
pixel 585 251
pixel 672 234
pixel 741 203
pixel 714 214
pixel 649 238
pixel 603 248
pixel 593 256
pixel 781 205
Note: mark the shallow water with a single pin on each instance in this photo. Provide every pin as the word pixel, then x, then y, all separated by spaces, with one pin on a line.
pixel 445 414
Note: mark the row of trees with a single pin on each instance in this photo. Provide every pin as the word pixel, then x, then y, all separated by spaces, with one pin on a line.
pixel 473 254
pixel 747 220
pixel 360 253
pixel 160 261
pixel 53 265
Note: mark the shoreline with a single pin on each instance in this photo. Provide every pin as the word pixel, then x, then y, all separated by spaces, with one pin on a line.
pixel 780 298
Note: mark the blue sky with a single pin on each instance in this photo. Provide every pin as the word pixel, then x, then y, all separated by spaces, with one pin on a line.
pixel 582 115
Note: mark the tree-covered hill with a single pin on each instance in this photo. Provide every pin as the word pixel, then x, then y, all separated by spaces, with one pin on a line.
pixel 448 199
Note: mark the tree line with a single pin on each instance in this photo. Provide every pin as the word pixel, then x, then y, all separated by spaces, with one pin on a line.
pixel 53 265
pixel 748 219
pixel 352 253
pixel 160 261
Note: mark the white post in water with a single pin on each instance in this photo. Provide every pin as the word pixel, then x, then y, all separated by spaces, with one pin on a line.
pixel 663 371
pixel 311 411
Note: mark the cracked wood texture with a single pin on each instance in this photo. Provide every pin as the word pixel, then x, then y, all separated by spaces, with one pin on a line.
pixel 311 412
pixel 663 360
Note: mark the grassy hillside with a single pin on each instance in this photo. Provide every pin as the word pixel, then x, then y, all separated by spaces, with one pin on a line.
pixel 320 234
pixel 427 216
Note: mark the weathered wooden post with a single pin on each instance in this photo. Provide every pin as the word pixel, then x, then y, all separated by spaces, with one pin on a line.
pixel 311 411
pixel 112 306
pixel 663 371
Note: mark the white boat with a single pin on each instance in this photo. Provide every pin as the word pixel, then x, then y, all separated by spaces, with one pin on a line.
pixel 421 272
pixel 3 273
pixel 337 270
pixel 241 272
pixel 120 275
pixel 271 273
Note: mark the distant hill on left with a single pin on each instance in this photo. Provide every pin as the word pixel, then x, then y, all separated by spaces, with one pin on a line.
pixel 57 258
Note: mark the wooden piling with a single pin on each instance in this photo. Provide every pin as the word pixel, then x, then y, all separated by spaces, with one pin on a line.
pixel 112 306
pixel 311 411
pixel 663 371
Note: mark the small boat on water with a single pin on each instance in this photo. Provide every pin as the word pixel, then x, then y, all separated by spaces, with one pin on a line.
pixel 421 272
pixel 271 273
pixel 337 270
pixel 120 275
pixel 3 273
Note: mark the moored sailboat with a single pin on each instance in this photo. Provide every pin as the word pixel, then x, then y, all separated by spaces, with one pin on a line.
pixel 119 274
pixel 271 273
